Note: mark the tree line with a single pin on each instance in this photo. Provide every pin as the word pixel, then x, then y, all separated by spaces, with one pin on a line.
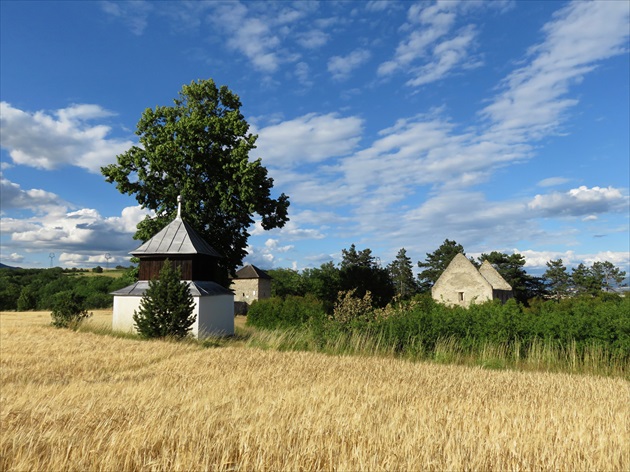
pixel 360 271
pixel 41 289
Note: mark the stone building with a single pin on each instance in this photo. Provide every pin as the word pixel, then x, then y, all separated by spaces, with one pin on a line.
pixel 250 284
pixel 462 284
pixel 184 248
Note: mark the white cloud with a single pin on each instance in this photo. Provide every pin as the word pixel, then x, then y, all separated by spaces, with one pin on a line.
pixel 67 259
pixel 83 231
pixel 34 200
pixel 65 137
pixel 14 257
pixel 134 13
pixel 533 101
pixel 581 201
pixel 553 181
pixel 431 50
pixel 302 73
pixel 312 39
pixel 307 139
pixel 445 57
pixel 538 259
pixel 258 31
pixel 342 66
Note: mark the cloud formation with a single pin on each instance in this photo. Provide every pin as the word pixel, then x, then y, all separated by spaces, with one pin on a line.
pixel 64 137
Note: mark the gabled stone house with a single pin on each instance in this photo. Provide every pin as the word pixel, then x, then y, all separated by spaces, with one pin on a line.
pixel 250 284
pixel 462 284
pixel 184 248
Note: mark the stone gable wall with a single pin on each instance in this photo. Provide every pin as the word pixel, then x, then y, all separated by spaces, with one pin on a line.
pixel 249 290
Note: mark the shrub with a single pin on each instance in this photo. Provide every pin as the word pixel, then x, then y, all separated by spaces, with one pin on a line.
pixel 166 309
pixel 97 270
pixel 349 309
pixel 68 310
pixel 293 311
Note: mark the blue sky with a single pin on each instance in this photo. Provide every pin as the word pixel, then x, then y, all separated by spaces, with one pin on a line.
pixel 502 125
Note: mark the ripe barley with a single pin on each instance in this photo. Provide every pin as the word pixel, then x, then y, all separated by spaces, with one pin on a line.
pixel 80 401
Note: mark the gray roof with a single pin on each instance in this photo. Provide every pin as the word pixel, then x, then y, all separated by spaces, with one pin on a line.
pixel 197 289
pixel 493 276
pixel 177 237
pixel 251 272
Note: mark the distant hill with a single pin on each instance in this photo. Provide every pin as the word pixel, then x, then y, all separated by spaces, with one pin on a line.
pixel 4 266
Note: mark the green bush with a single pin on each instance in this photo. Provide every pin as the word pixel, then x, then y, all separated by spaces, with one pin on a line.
pixel 293 311
pixel 166 309
pixel 68 310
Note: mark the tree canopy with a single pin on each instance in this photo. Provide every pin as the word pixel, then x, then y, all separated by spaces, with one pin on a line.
pixel 436 262
pixel 199 149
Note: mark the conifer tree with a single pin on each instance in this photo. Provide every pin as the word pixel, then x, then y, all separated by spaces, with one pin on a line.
pixel 166 309
pixel 401 272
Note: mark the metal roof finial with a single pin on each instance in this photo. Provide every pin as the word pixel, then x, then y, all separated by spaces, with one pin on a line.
pixel 179 207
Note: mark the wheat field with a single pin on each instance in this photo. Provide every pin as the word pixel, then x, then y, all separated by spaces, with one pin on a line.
pixel 80 401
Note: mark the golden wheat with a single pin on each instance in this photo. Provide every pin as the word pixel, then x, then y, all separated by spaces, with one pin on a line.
pixel 80 401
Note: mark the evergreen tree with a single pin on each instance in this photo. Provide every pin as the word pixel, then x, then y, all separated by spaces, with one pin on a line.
pixel 557 278
pixel 609 275
pixel 166 309
pixel 510 266
pixel 584 281
pixel 401 273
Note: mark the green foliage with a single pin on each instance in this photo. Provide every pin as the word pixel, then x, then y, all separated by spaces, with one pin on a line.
pixel 359 273
pixel 557 278
pixel 436 262
pixel 351 309
pixel 511 268
pixel 199 148
pixel 36 289
pixel 97 270
pixel 401 273
pixel 292 311
pixel 580 325
pixel 27 300
pixel 324 283
pixel 166 309
pixel 286 282
pixel 68 310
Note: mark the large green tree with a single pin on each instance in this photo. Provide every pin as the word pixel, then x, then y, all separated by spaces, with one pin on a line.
pixel 436 262
pixel 199 148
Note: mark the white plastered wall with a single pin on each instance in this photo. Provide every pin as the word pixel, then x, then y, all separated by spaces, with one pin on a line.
pixel 214 315
pixel 461 284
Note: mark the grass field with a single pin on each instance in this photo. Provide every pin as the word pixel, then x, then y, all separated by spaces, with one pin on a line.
pixel 115 273
pixel 82 401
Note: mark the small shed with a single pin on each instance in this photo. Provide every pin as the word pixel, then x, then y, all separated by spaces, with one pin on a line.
pixel 462 284
pixel 250 284
pixel 184 248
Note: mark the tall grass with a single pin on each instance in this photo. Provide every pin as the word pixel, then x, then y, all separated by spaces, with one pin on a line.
pixel 539 354
pixel 78 401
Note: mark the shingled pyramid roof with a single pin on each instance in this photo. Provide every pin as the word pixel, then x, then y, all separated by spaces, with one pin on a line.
pixel 251 272
pixel 178 237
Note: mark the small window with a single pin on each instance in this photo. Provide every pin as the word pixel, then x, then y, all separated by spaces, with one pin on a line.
pixel 461 296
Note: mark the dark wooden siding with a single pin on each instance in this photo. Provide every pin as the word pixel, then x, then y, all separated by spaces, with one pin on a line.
pixel 200 267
